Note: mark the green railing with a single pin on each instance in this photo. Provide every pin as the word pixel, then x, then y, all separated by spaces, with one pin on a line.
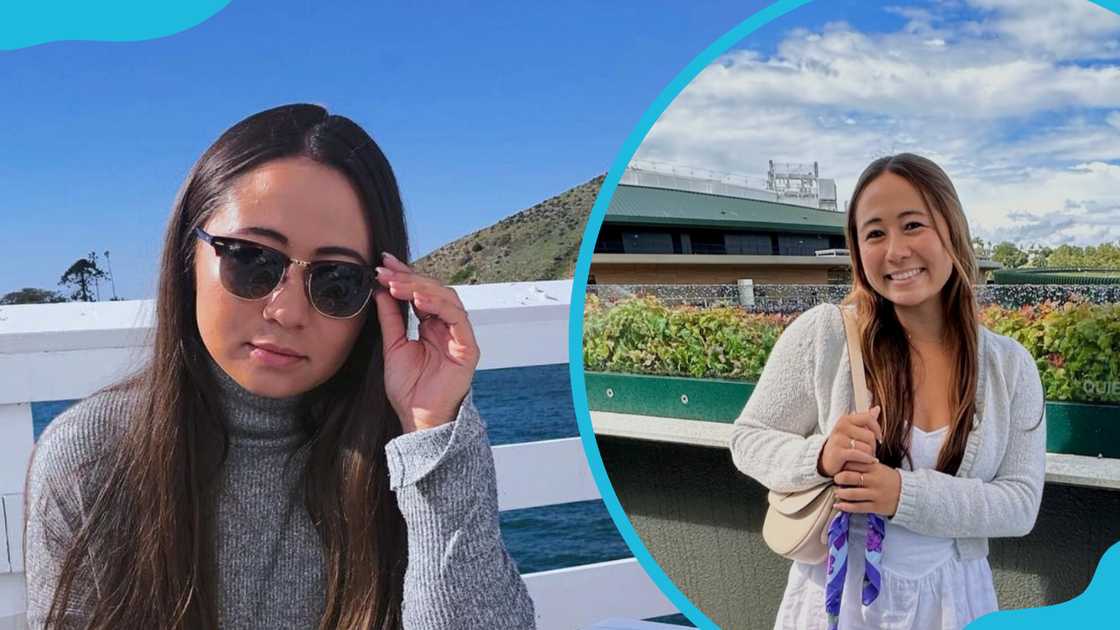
pixel 1072 428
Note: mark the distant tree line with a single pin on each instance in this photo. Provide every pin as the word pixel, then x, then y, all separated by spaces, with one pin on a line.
pixel 82 279
pixel 1011 256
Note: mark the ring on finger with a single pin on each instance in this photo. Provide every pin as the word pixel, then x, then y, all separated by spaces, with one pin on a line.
pixel 861 480
pixel 851 443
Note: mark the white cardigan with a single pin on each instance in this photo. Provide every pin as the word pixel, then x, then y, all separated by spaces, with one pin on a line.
pixel 807 384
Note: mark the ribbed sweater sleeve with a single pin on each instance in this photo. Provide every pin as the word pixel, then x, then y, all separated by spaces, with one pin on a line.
pixel 52 518
pixel 60 481
pixel 459 574
pixel 936 504
pixel 776 438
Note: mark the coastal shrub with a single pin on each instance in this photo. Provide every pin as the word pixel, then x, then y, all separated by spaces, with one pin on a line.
pixel 462 275
pixel 1074 343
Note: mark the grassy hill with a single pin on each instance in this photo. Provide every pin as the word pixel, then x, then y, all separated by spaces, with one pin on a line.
pixel 538 243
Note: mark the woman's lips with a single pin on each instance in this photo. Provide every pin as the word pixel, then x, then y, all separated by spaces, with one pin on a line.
pixel 891 279
pixel 272 359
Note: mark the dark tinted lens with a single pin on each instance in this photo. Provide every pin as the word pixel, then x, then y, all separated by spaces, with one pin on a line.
pixel 250 272
pixel 339 289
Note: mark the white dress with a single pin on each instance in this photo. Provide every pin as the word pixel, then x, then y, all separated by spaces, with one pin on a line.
pixel 925 585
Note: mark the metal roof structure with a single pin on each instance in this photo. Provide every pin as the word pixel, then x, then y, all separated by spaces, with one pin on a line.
pixel 659 206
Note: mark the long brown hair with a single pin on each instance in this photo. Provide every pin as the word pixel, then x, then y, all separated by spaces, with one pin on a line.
pixel 886 349
pixel 152 517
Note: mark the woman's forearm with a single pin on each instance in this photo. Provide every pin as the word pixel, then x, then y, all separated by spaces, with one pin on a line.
pixel 938 504
pixel 776 439
pixel 780 461
pixel 459 574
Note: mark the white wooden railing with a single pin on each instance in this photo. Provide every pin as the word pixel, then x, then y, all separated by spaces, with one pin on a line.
pixel 67 351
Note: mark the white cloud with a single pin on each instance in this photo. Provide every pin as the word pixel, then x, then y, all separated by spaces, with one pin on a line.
pixel 1073 140
pixel 920 20
pixel 1019 129
pixel 902 74
pixel 1076 205
pixel 1063 30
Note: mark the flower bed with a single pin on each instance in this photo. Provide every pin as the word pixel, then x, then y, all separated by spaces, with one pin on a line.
pixel 1074 344
pixel 645 358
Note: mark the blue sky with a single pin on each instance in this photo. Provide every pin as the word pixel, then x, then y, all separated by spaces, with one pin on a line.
pixel 1019 100
pixel 483 110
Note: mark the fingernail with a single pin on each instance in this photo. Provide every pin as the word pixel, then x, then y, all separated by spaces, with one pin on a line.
pixel 390 256
pixel 382 271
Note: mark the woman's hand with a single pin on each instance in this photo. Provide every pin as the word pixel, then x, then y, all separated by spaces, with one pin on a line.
pixel 868 488
pixel 852 440
pixel 425 379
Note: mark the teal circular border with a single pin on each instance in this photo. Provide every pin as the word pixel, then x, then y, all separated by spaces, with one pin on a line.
pixel 1084 608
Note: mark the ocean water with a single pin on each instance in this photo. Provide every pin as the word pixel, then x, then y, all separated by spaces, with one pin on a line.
pixel 523 404
pixel 527 404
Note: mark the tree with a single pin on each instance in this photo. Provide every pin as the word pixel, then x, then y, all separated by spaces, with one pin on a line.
pixel 31 295
pixel 981 248
pixel 1009 255
pixel 1105 255
pixel 82 277
pixel 1038 256
pixel 1108 255
pixel 1066 256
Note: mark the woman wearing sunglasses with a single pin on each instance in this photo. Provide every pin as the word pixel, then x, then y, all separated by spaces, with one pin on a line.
pixel 287 458
pixel 951 452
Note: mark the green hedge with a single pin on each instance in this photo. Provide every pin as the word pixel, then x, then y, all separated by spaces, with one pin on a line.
pixel 1056 276
pixel 1074 344
pixel 643 336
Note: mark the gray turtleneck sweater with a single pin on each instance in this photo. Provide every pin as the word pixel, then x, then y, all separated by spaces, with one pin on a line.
pixel 270 561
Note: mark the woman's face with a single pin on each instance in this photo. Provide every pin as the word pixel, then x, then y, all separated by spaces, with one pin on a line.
pixel 901 253
pixel 297 206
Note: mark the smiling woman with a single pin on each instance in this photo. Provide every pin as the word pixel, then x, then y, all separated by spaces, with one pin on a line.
pixel 285 458
pixel 951 454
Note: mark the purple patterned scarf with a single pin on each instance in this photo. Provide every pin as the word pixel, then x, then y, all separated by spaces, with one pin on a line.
pixel 837 568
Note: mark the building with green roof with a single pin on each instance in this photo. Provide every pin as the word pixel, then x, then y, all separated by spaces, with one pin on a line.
pixel 654 235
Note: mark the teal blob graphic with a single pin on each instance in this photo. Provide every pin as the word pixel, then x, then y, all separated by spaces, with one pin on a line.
pixel 1090 608
pixel 26 23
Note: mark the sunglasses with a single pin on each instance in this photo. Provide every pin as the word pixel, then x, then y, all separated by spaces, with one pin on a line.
pixel 251 271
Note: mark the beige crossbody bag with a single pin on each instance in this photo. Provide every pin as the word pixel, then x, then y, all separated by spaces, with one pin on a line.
pixel 796 525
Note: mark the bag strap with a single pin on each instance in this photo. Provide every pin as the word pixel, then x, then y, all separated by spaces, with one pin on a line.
pixel 855 357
